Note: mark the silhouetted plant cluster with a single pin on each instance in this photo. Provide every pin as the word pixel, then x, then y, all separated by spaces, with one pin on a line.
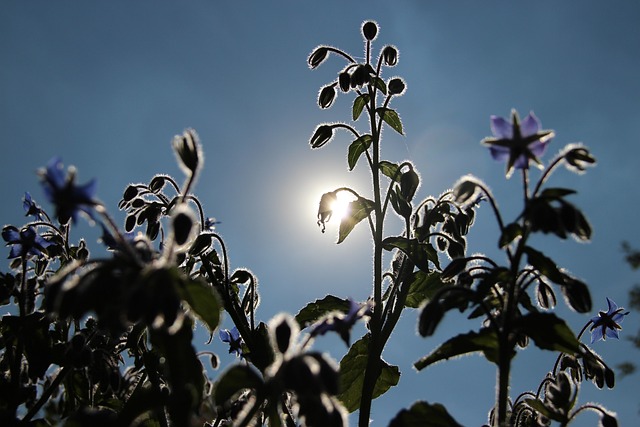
pixel 108 339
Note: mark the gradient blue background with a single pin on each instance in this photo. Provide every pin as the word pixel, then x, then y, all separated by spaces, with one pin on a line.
pixel 106 85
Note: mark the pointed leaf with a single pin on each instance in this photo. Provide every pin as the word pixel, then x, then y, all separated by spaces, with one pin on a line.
pixel 556 193
pixel 320 307
pixel 423 287
pixel 420 412
pixel 510 233
pixel 359 209
pixel 391 118
pixel 549 332
pixel 235 379
pixel 356 149
pixel 545 265
pixel 391 170
pixel 204 302
pixel 419 253
pixel 485 341
pixel 352 368
pixel 359 104
pixel 379 84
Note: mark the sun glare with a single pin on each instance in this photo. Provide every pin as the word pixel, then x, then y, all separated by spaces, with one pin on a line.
pixel 341 205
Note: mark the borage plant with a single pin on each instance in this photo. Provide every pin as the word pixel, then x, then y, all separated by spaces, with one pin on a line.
pixel 499 294
pixel 106 337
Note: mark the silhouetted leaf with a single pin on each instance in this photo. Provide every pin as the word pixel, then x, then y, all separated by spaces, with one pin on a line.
pixel 485 341
pixel 359 104
pixel 545 265
pixel 352 368
pixel 390 170
pixel 391 118
pixel 424 413
pixel 509 234
pixel 556 193
pixel 203 300
pixel 356 149
pixel 419 253
pixel 379 84
pixel 235 379
pixel 423 287
pixel 576 294
pixel 549 332
pixel 359 209
pixel 320 307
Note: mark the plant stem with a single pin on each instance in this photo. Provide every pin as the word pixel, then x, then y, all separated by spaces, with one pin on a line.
pixel 375 348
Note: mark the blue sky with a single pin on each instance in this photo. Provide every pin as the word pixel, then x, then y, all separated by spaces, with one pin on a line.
pixel 107 85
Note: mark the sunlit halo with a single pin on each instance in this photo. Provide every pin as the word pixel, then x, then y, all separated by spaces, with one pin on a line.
pixel 340 207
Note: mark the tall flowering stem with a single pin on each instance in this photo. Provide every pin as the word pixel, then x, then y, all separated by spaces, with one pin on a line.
pixel 436 222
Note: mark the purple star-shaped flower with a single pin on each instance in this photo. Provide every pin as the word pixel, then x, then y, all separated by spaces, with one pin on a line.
pixel 233 338
pixel 30 207
pixel 61 190
pixel 343 322
pixel 517 142
pixel 25 242
pixel 606 324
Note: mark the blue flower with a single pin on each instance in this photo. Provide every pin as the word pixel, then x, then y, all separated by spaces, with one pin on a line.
pixel 210 224
pixel 233 338
pixel 64 194
pixel 517 143
pixel 343 322
pixel 111 242
pixel 30 207
pixel 25 242
pixel 606 324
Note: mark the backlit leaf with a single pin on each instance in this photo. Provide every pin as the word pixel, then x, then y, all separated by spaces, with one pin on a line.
pixel 391 118
pixel 356 149
pixel 359 209
pixel 352 368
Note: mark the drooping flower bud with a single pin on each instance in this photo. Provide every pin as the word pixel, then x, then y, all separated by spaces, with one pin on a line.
pixel 326 96
pixel 396 86
pixel 409 182
pixel 318 56
pixel 390 56
pixel 325 209
pixel 370 30
pixel 321 136
pixel 344 81
pixel 130 192
pixel 187 148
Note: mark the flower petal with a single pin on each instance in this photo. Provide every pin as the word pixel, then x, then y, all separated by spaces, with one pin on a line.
pixel 501 128
pixel 597 334
pixel 611 333
pixel 530 125
pixel 538 148
pixel 612 306
pixel 499 153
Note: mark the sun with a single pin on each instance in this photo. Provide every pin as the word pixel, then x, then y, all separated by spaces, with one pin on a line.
pixel 340 207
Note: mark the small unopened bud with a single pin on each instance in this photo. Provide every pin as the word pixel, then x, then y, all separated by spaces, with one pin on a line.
pixel 396 86
pixel 578 158
pixel 344 81
pixel 430 317
pixel 326 96
pixel 130 193
pixel 370 30
pixel 318 56
pixel 187 148
pixel 157 183
pixel 390 56
pixel 321 136
pixel 409 182
pixel 183 225
pixel 360 76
